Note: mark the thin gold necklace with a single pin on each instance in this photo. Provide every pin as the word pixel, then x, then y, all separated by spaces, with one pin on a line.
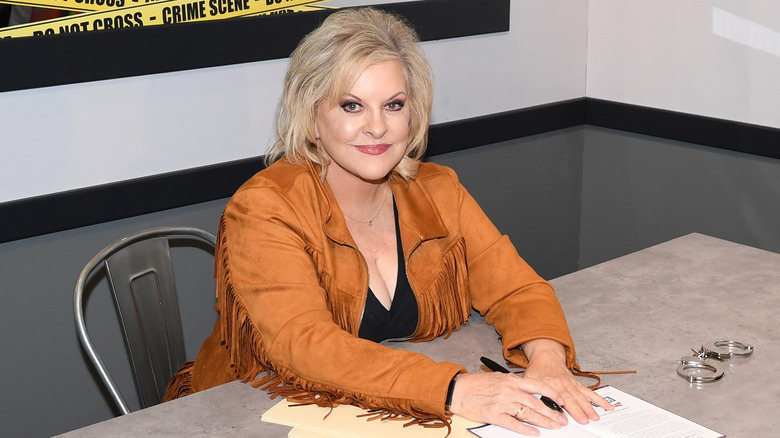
pixel 370 222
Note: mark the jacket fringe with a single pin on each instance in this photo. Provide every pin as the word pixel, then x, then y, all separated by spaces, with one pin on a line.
pixel 446 304
pixel 180 384
pixel 247 355
pixel 339 304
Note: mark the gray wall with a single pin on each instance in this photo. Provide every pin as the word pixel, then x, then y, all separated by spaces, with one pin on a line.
pixel 568 199
pixel 530 188
pixel 638 191
pixel 47 386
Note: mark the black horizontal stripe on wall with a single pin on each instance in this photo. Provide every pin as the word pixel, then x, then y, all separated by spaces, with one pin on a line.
pixel 494 128
pixel 691 128
pixel 62 211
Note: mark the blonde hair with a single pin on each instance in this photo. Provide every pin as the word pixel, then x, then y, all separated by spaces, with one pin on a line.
pixel 327 63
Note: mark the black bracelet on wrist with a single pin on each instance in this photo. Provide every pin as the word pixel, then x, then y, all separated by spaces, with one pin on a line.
pixel 448 403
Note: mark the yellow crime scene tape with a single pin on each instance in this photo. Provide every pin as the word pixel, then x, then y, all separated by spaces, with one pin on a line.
pixel 151 13
pixel 107 5
pixel 77 5
pixel 305 8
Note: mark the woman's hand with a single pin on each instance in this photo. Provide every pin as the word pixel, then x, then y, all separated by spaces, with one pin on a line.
pixel 506 400
pixel 547 362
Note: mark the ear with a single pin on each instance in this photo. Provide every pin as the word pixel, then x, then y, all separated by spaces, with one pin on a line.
pixel 314 123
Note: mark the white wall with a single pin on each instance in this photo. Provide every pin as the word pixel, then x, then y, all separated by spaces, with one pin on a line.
pixel 541 60
pixel 61 138
pixel 67 137
pixel 716 58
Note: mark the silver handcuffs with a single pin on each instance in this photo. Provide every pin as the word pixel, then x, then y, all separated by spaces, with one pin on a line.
pixel 706 366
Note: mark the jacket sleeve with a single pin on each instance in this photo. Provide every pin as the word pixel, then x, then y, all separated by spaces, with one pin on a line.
pixel 280 333
pixel 505 289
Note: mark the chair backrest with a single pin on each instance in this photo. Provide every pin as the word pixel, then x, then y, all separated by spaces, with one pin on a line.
pixel 140 274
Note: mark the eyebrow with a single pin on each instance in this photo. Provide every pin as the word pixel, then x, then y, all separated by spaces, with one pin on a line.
pixel 388 99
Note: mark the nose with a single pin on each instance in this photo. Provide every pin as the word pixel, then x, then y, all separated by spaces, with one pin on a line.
pixel 376 125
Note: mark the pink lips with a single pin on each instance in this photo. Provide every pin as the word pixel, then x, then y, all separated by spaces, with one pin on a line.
pixel 373 149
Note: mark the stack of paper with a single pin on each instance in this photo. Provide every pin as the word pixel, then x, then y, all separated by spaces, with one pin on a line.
pixel 343 422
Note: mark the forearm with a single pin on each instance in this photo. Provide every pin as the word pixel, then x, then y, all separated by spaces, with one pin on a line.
pixel 545 351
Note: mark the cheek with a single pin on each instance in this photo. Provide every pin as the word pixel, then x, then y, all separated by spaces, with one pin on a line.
pixel 338 129
pixel 402 126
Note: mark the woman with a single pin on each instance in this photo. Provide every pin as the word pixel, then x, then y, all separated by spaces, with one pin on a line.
pixel 346 239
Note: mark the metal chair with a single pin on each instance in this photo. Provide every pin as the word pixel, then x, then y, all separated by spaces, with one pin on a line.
pixel 141 278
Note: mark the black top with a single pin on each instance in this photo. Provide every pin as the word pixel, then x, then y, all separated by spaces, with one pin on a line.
pixel 401 320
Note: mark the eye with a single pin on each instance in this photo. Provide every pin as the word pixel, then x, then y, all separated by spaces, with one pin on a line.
pixel 351 107
pixel 395 105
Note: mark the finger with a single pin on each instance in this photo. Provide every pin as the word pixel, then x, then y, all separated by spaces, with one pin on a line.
pixel 578 406
pixel 511 422
pixel 601 401
pixel 592 398
pixel 536 412
pixel 578 398
pixel 528 407
pixel 554 414
pixel 542 416
pixel 530 385
pixel 518 395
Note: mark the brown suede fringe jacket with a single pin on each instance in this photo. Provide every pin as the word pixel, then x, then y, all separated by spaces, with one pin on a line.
pixel 292 285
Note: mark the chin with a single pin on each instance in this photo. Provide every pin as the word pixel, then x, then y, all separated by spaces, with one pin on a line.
pixel 374 176
pixel 377 171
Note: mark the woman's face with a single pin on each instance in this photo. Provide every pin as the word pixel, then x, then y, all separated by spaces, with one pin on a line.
pixel 365 133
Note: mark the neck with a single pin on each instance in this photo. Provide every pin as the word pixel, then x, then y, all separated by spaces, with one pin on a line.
pixel 351 191
pixel 360 200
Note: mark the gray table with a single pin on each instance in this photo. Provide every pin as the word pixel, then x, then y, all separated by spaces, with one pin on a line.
pixel 643 311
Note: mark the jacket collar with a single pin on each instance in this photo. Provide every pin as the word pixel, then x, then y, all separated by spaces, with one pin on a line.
pixel 417 212
pixel 418 216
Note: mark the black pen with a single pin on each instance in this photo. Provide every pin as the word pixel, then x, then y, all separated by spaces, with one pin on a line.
pixel 500 369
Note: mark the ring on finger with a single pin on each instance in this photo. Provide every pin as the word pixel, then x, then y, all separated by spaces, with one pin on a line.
pixel 520 411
